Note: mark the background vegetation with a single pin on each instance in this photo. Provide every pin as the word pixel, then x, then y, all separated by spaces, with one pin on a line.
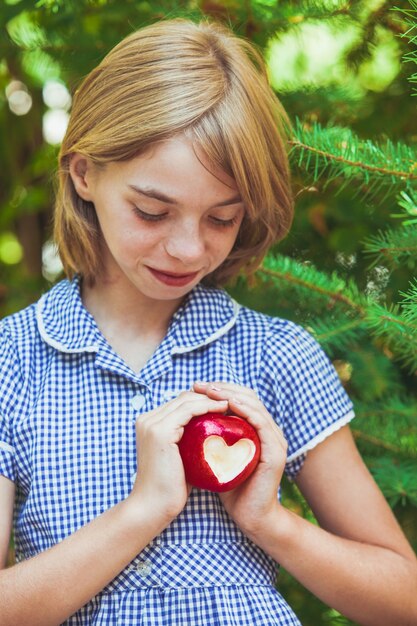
pixel 345 71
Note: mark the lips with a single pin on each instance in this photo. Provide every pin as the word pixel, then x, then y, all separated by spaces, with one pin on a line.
pixel 171 278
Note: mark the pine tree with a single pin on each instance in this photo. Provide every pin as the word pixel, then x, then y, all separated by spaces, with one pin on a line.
pixel 362 308
pixel 369 330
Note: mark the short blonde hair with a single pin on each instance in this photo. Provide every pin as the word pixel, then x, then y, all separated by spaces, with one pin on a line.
pixel 172 77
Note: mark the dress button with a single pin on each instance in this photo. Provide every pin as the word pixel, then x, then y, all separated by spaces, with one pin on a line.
pixel 138 401
pixel 143 568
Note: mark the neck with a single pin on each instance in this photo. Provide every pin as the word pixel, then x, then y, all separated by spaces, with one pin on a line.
pixel 132 324
pixel 118 306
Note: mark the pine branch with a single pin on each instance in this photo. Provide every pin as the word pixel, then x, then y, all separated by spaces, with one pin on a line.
pixel 390 319
pixel 409 303
pixel 376 441
pixel 275 18
pixel 408 201
pixel 316 10
pixel 395 412
pixel 338 152
pixel 337 333
pixel 397 479
pixel 397 330
pixel 389 424
pixel 393 246
pixel 372 362
pixel 411 20
pixel 410 34
pixel 306 277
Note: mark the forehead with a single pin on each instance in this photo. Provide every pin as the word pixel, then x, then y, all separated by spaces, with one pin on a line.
pixel 178 166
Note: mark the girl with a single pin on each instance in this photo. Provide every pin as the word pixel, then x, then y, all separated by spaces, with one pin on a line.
pixel 173 177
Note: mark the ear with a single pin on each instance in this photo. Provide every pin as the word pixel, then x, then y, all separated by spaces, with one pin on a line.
pixel 80 170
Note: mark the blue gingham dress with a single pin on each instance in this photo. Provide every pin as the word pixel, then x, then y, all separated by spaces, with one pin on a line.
pixel 68 406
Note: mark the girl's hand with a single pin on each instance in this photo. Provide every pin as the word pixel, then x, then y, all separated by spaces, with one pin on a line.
pixel 160 482
pixel 251 504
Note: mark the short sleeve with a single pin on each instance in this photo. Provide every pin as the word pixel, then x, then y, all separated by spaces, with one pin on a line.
pixel 311 402
pixel 10 383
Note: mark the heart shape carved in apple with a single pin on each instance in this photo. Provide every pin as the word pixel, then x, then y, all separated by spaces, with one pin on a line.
pixel 219 451
pixel 227 462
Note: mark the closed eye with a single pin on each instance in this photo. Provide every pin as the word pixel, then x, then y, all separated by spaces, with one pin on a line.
pixel 149 217
pixel 224 223
pixel 158 217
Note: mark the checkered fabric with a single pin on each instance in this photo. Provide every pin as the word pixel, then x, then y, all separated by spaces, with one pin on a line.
pixel 68 406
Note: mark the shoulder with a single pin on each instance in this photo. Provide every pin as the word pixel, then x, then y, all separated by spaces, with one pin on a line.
pixel 21 341
pixel 19 327
pixel 292 365
pixel 22 328
pixel 25 356
pixel 281 338
pixel 18 333
pixel 281 352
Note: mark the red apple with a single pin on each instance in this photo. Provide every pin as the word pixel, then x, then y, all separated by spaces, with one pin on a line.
pixel 219 451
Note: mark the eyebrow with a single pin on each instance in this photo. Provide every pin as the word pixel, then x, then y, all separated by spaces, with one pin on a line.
pixel 150 192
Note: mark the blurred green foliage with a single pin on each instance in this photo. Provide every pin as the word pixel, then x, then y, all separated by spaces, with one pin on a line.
pixel 344 71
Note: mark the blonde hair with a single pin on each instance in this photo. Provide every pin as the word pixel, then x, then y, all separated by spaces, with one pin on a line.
pixel 172 77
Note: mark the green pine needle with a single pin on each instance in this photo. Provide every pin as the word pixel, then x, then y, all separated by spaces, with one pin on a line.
pixel 408 201
pixel 395 328
pixel 306 279
pixel 337 333
pixel 393 245
pixel 397 479
pixel 409 304
pixel 336 152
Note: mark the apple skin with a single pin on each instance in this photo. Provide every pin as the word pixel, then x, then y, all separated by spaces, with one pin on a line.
pixel 231 429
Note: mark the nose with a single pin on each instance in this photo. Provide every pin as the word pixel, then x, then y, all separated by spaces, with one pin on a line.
pixel 185 243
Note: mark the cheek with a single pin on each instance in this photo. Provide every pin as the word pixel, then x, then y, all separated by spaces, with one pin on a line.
pixel 140 242
pixel 222 246
pixel 124 240
pixel 135 242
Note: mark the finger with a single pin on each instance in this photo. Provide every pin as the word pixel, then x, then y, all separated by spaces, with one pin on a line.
pixel 165 409
pixel 239 397
pixel 218 386
pixel 176 414
pixel 257 415
pixel 252 409
pixel 221 390
pixel 244 402
pixel 182 413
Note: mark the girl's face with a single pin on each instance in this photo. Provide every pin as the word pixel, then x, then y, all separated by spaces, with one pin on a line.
pixel 167 218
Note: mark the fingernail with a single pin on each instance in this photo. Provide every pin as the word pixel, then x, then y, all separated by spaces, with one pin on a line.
pixel 214 388
pixel 200 383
